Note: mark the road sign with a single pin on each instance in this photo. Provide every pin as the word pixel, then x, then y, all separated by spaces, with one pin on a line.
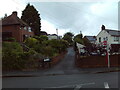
pixel 46 60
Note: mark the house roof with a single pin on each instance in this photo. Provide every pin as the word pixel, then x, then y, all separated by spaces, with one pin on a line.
pixel 52 35
pixel 91 38
pixel 113 32
pixel 43 33
pixel 13 19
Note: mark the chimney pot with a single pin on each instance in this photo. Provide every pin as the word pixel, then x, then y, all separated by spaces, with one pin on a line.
pixel 14 13
pixel 103 27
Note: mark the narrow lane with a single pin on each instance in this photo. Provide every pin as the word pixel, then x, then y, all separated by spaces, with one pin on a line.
pixel 66 66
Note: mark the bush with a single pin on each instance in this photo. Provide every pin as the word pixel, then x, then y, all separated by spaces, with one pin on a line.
pixel 49 51
pixel 14 58
pixel 11 56
pixel 29 59
pixel 31 42
pixel 63 45
pixel 41 38
pixel 51 47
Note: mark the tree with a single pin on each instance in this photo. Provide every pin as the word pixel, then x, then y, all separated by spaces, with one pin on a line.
pixel 68 37
pixel 79 38
pixel 32 18
pixel 69 34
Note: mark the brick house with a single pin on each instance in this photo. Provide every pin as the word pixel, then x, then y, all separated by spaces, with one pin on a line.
pixel 13 26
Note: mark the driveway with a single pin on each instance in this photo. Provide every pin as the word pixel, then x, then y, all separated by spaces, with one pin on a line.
pixel 66 66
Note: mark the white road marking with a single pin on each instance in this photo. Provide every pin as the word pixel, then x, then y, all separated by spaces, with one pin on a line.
pixel 106 85
pixel 77 86
pixel 87 83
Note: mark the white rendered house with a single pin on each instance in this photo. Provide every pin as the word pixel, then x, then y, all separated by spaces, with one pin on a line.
pixel 112 37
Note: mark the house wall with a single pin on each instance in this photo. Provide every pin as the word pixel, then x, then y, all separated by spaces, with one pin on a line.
pixel 103 34
pixel 13 29
pixel 80 48
pixel 25 32
pixel 114 42
pixel 52 37
pixel 17 33
pixel 110 40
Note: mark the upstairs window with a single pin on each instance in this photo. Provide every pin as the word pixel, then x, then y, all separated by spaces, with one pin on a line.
pixel 29 29
pixel 25 28
pixel 116 39
pixel 106 38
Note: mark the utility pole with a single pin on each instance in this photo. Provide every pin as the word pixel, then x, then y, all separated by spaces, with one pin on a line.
pixel 57 33
pixel 108 56
pixel 80 32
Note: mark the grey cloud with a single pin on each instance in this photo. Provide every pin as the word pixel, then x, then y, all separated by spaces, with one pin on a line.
pixel 76 16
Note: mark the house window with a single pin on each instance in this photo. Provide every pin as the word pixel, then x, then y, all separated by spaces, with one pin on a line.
pixel 25 28
pixel 116 39
pixel 99 39
pixel 106 38
pixel 6 35
pixel 29 29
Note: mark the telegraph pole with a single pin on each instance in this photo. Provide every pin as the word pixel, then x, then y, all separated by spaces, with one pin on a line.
pixel 108 56
pixel 57 33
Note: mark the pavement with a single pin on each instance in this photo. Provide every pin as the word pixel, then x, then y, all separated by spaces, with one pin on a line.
pixel 46 72
pixel 65 67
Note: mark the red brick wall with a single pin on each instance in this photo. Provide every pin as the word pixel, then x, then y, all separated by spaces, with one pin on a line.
pixel 14 30
pixel 17 33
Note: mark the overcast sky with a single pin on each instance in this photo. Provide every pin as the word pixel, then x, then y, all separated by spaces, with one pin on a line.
pixel 69 16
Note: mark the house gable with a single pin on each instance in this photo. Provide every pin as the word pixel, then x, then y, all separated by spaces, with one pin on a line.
pixel 103 36
pixel 18 28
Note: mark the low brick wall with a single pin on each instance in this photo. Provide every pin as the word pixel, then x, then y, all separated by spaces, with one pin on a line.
pixel 96 61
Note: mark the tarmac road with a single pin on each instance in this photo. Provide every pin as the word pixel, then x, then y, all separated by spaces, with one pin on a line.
pixel 101 80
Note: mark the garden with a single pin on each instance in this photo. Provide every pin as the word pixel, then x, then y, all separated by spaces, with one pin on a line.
pixel 29 54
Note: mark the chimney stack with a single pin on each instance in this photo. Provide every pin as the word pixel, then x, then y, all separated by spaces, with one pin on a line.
pixel 14 13
pixel 103 27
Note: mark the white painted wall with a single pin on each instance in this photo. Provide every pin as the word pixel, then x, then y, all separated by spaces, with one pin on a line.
pixel 104 34
pixel 52 37
pixel 80 47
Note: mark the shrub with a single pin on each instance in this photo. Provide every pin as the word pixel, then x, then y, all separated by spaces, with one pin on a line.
pixel 15 59
pixel 11 56
pixel 49 51
pixel 41 38
pixel 63 45
pixel 31 42
pixel 58 45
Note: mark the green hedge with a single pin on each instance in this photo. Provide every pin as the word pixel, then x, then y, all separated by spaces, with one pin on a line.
pixel 14 58
pixel 11 56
